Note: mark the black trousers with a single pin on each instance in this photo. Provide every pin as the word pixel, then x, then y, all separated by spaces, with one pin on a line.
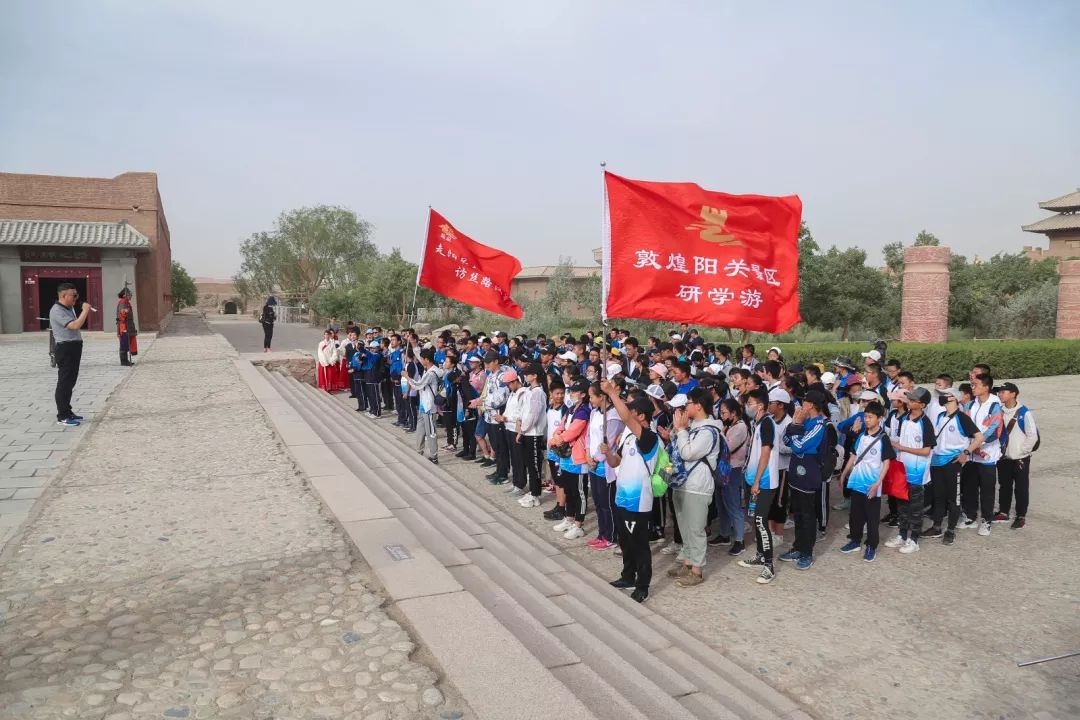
pixel 911 512
pixel 761 529
pixel 534 461
pixel 1013 473
pixel 633 534
pixel 68 360
pixel 669 512
pixel 946 484
pixel 451 425
pixel 978 490
pixel 865 512
pixel 356 388
pixel 804 506
pixel 516 451
pixel 268 334
pixel 388 396
pixel 468 436
pixel 401 404
pixel 414 411
pixel 577 495
pixel 821 500
pixel 371 391
pixel 496 435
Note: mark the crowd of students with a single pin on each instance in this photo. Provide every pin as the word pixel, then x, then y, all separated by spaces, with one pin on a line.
pixel 691 444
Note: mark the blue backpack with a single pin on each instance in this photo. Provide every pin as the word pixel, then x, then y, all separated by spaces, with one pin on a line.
pixel 721 473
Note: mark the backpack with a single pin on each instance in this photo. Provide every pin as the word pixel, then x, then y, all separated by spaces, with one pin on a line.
pixel 663 462
pixel 1019 420
pixel 827 454
pixel 721 473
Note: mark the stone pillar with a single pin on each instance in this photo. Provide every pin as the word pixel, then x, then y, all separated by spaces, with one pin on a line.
pixel 924 312
pixel 1068 310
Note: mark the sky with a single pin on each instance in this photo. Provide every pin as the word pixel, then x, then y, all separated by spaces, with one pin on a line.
pixel 885 118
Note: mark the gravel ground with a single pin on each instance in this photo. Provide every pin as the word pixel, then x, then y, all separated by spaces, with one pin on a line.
pixel 935 634
pixel 179 567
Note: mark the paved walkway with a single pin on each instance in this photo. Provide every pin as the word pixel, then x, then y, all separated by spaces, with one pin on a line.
pixel 246 335
pixel 180 567
pixel 32 446
pixel 940 629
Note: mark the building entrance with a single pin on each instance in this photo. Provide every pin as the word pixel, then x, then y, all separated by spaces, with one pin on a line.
pixel 39 293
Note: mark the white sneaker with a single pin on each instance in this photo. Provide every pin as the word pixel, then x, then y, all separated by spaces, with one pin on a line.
pixel 529 501
pixel 789 524
pixel 909 547
pixel 847 526
pixel 563 526
pixel 984 529
pixel 670 549
pixel 895 541
pixel 515 492
pixel 617 550
pixel 574 532
pixel 968 523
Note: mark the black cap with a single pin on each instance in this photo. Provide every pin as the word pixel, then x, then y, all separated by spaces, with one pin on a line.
pixel 642 405
pixel 1011 387
pixel 580 386
pixel 796 368
pixel 670 389
pixel 491 356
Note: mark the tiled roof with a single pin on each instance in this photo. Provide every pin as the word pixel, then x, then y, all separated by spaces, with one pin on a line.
pixel 72 234
pixel 535 271
pixel 1063 221
pixel 1065 202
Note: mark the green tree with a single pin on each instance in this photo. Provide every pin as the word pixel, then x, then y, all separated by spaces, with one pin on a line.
pixel 184 292
pixel 309 249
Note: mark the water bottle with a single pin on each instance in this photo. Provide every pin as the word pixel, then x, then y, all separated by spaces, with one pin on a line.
pixel 752 507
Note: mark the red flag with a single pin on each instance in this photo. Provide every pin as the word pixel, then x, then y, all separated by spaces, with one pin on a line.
pixel 680 253
pixel 458 267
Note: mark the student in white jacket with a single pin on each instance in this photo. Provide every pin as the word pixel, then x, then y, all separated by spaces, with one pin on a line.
pixel 1014 467
pixel 532 428
pixel 699 440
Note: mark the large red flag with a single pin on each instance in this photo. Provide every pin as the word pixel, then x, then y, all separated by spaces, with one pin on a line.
pixel 458 267
pixel 680 253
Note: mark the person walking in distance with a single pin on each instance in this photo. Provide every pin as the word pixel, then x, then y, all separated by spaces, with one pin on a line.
pixel 125 327
pixel 267 318
pixel 66 325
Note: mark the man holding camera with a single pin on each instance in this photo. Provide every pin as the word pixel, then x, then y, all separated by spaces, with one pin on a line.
pixel 66 326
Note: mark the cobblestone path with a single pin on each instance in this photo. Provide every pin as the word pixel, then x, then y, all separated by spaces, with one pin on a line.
pixel 179 567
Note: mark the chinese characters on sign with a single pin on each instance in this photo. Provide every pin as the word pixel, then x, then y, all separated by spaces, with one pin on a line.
pixel 461 273
pixel 735 268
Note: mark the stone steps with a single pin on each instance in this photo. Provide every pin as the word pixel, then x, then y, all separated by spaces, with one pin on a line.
pixel 637 664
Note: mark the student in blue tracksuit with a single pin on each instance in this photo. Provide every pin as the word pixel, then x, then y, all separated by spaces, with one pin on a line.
pixel 396 358
pixel 804 435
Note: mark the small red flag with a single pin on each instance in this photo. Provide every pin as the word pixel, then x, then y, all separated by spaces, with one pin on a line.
pixel 680 253
pixel 458 267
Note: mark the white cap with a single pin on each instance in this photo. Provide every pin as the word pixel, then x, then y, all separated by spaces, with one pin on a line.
pixel 613 369
pixel 779 395
pixel 676 337
pixel 678 401
pixel 655 391
pixel 869 395
pixel 374 344
pixel 828 378
pixel 778 350
pixel 873 355
pixel 569 355
pixel 715 369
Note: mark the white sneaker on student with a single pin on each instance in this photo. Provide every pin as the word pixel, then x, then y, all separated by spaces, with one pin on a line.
pixel 968 523
pixel 529 501
pixel 984 529
pixel 574 532
pixel 789 524
pixel 895 541
pixel 670 549
pixel 563 526
pixel 515 492
pixel 910 546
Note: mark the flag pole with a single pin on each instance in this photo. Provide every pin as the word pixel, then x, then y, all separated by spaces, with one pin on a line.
pixel 605 248
pixel 420 266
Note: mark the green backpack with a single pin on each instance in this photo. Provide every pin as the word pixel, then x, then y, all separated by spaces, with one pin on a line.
pixel 663 462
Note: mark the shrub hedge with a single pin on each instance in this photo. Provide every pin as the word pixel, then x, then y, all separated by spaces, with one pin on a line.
pixel 1008 359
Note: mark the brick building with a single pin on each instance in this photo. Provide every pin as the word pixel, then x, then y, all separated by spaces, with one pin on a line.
pixel 95 232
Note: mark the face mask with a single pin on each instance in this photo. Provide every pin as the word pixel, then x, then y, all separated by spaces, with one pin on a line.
pixel 591 377
pixel 751 412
